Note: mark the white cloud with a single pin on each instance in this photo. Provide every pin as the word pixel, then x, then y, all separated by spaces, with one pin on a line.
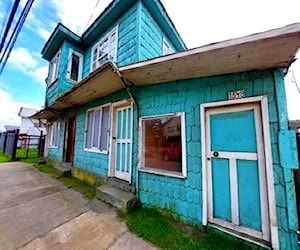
pixel 76 16
pixel 22 60
pixel 10 108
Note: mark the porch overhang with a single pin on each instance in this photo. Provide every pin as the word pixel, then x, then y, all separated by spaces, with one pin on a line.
pixel 102 82
pixel 271 49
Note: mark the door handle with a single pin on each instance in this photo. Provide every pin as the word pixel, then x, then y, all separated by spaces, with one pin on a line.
pixel 216 154
pixel 114 138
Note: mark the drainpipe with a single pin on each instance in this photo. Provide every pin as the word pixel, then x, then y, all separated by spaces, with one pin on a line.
pixel 287 161
pixel 127 87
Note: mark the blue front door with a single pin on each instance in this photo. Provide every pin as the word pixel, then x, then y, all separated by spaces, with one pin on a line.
pixel 236 174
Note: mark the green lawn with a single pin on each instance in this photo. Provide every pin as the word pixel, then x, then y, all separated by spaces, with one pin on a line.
pixel 27 152
pixel 4 157
pixel 166 233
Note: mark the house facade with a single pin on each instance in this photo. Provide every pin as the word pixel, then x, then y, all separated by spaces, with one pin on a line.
pixel 201 133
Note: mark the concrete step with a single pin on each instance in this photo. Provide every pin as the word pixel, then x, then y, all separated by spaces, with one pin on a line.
pixel 120 184
pixel 119 199
pixel 63 170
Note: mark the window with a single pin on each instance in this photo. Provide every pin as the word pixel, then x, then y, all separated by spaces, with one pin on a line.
pixel 163 144
pixel 105 50
pixel 74 66
pixel 53 69
pixel 97 129
pixel 54 134
pixel 167 49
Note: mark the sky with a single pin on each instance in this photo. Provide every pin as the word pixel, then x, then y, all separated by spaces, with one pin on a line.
pixel 22 83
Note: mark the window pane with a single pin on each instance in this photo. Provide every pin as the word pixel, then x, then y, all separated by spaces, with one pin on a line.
pixel 75 67
pixel 96 129
pixel 89 131
pixel 162 143
pixel 104 128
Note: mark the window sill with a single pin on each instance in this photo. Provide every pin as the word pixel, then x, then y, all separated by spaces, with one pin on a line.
pixel 52 146
pixel 163 173
pixel 73 81
pixel 50 84
pixel 97 151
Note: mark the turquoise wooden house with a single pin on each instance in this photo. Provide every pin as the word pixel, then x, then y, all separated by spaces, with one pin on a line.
pixel 201 133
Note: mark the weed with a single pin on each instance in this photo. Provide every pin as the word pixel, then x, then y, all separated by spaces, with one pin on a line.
pixel 87 190
pixel 4 158
pixel 167 233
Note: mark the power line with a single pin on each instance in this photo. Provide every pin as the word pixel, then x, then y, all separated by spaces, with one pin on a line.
pixel 91 15
pixel 15 33
pixel 10 20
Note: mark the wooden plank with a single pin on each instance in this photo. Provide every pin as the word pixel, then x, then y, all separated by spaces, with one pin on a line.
pixel 272 49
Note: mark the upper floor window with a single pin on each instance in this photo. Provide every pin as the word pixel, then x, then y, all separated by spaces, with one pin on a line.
pixel 74 66
pixel 105 50
pixel 167 49
pixel 53 69
pixel 97 129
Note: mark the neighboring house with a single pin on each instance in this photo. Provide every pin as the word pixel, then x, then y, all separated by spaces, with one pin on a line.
pixel 116 101
pixel 31 126
pixel 9 128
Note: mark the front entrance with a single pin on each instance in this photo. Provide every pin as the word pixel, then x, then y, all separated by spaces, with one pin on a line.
pixel 121 154
pixel 235 172
pixel 69 139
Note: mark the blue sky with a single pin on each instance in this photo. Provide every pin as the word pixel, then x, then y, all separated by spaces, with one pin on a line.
pixel 22 82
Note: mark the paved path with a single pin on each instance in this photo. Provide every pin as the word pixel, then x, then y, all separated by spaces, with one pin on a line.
pixel 38 212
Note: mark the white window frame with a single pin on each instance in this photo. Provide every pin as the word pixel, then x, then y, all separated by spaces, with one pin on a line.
pixel 71 52
pixel 97 149
pixel 54 68
pixel 54 134
pixel 142 167
pixel 112 57
pixel 166 47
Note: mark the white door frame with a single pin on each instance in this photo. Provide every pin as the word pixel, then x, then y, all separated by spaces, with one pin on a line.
pixel 112 158
pixel 263 102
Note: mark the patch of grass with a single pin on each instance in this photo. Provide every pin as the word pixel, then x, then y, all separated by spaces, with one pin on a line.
pixel 87 190
pixel 27 152
pixel 167 233
pixel 4 158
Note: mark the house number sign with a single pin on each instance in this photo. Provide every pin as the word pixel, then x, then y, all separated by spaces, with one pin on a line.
pixel 232 95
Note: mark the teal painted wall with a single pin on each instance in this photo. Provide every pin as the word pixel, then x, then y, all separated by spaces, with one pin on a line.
pixel 183 197
pixel 62 85
pixel 151 36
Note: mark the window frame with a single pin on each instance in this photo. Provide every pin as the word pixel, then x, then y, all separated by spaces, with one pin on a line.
pixel 71 52
pixel 97 149
pixel 52 77
pixel 54 142
pixel 97 45
pixel 170 49
pixel 141 166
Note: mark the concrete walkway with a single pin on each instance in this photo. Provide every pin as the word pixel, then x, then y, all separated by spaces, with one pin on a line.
pixel 38 212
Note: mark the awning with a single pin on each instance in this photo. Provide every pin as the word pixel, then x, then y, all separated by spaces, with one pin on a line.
pixel 103 81
pixel 272 49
